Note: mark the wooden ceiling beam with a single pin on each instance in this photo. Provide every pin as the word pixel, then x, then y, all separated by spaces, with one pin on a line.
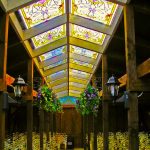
pixel 54 70
pixel 45 26
pixel 85 44
pixel 90 24
pixel 49 47
pixel 144 68
pixel 13 5
pixel 119 2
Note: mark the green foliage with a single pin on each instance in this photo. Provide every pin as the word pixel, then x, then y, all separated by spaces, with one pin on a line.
pixel 47 100
pixel 88 101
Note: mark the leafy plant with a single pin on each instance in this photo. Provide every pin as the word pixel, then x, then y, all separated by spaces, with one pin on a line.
pixel 47 100
pixel 88 101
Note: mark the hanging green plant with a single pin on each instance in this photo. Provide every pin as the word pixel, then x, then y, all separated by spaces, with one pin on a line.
pixel 47 100
pixel 88 102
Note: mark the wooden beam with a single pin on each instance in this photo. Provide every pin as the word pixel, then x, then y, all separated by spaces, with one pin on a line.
pixel 81 68
pixel 46 26
pixel 52 60
pixel 13 5
pixel 54 70
pixel 139 85
pixel 86 44
pixel 49 47
pixel 132 77
pixel 29 104
pixel 105 103
pixel 119 2
pixel 144 68
pixel 90 24
pixel 4 26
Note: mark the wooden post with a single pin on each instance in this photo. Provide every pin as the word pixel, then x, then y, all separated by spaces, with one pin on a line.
pixel 47 125
pixel 105 103
pixel 131 77
pixel 29 104
pixel 41 128
pixel 4 25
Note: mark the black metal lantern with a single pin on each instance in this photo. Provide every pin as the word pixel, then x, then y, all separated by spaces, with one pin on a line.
pixel 19 85
pixel 113 86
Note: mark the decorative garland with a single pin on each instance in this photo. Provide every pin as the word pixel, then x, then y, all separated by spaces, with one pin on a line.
pixel 47 100
pixel 88 101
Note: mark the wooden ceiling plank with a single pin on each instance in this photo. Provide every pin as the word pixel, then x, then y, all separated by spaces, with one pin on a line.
pixel 119 2
pixel 90 24
pixel 86 44
pixel 54 70
pixel 46 26
pixel 52 60
pixel 13 5
pixel 49 47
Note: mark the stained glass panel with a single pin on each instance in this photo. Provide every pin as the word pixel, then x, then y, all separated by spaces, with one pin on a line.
pixel 78 73
pixel 42 11
pixel 82 51
pixel 72 91
pixel 53 53
pixel 57 74
pixel 97 10
pixel 87 34
pixel 55 64
pixel 82 63
pixel 49 36
pixel 68 100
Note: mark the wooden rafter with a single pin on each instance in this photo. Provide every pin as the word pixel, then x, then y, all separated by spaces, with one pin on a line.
pixel 13 5
pixel 46 26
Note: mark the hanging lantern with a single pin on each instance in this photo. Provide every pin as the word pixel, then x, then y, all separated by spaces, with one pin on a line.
pixel 113 86
pixel 19 85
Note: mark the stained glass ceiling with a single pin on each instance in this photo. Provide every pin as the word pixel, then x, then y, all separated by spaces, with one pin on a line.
pixel 68 49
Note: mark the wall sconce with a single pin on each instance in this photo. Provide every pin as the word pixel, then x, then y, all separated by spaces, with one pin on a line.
pixel 113 86
pixel 19 85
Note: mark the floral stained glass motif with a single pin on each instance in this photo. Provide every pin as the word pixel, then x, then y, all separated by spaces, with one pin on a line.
pixel 87 34
pixel 82 51
pixel 97 10
pixel 82 63
pixel 49 36
pixel 42 11
pixel 53 53
pixel 55 64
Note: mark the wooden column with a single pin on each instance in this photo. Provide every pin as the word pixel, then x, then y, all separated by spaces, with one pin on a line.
pixel 47 125
pixel 41 126
pixel 105 103
pixel 4 25
pixel 131 77
pixel 29 104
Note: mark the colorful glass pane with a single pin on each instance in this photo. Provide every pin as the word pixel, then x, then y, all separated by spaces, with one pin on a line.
pixel 53 53
pixel 97 10
pixel 82 63
pixel 82 51
pixel 87 34
pixel 68 100
pixel 42 11
pixel 49 36
pixel 57 74
pixel 77 73
pixel 55 64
